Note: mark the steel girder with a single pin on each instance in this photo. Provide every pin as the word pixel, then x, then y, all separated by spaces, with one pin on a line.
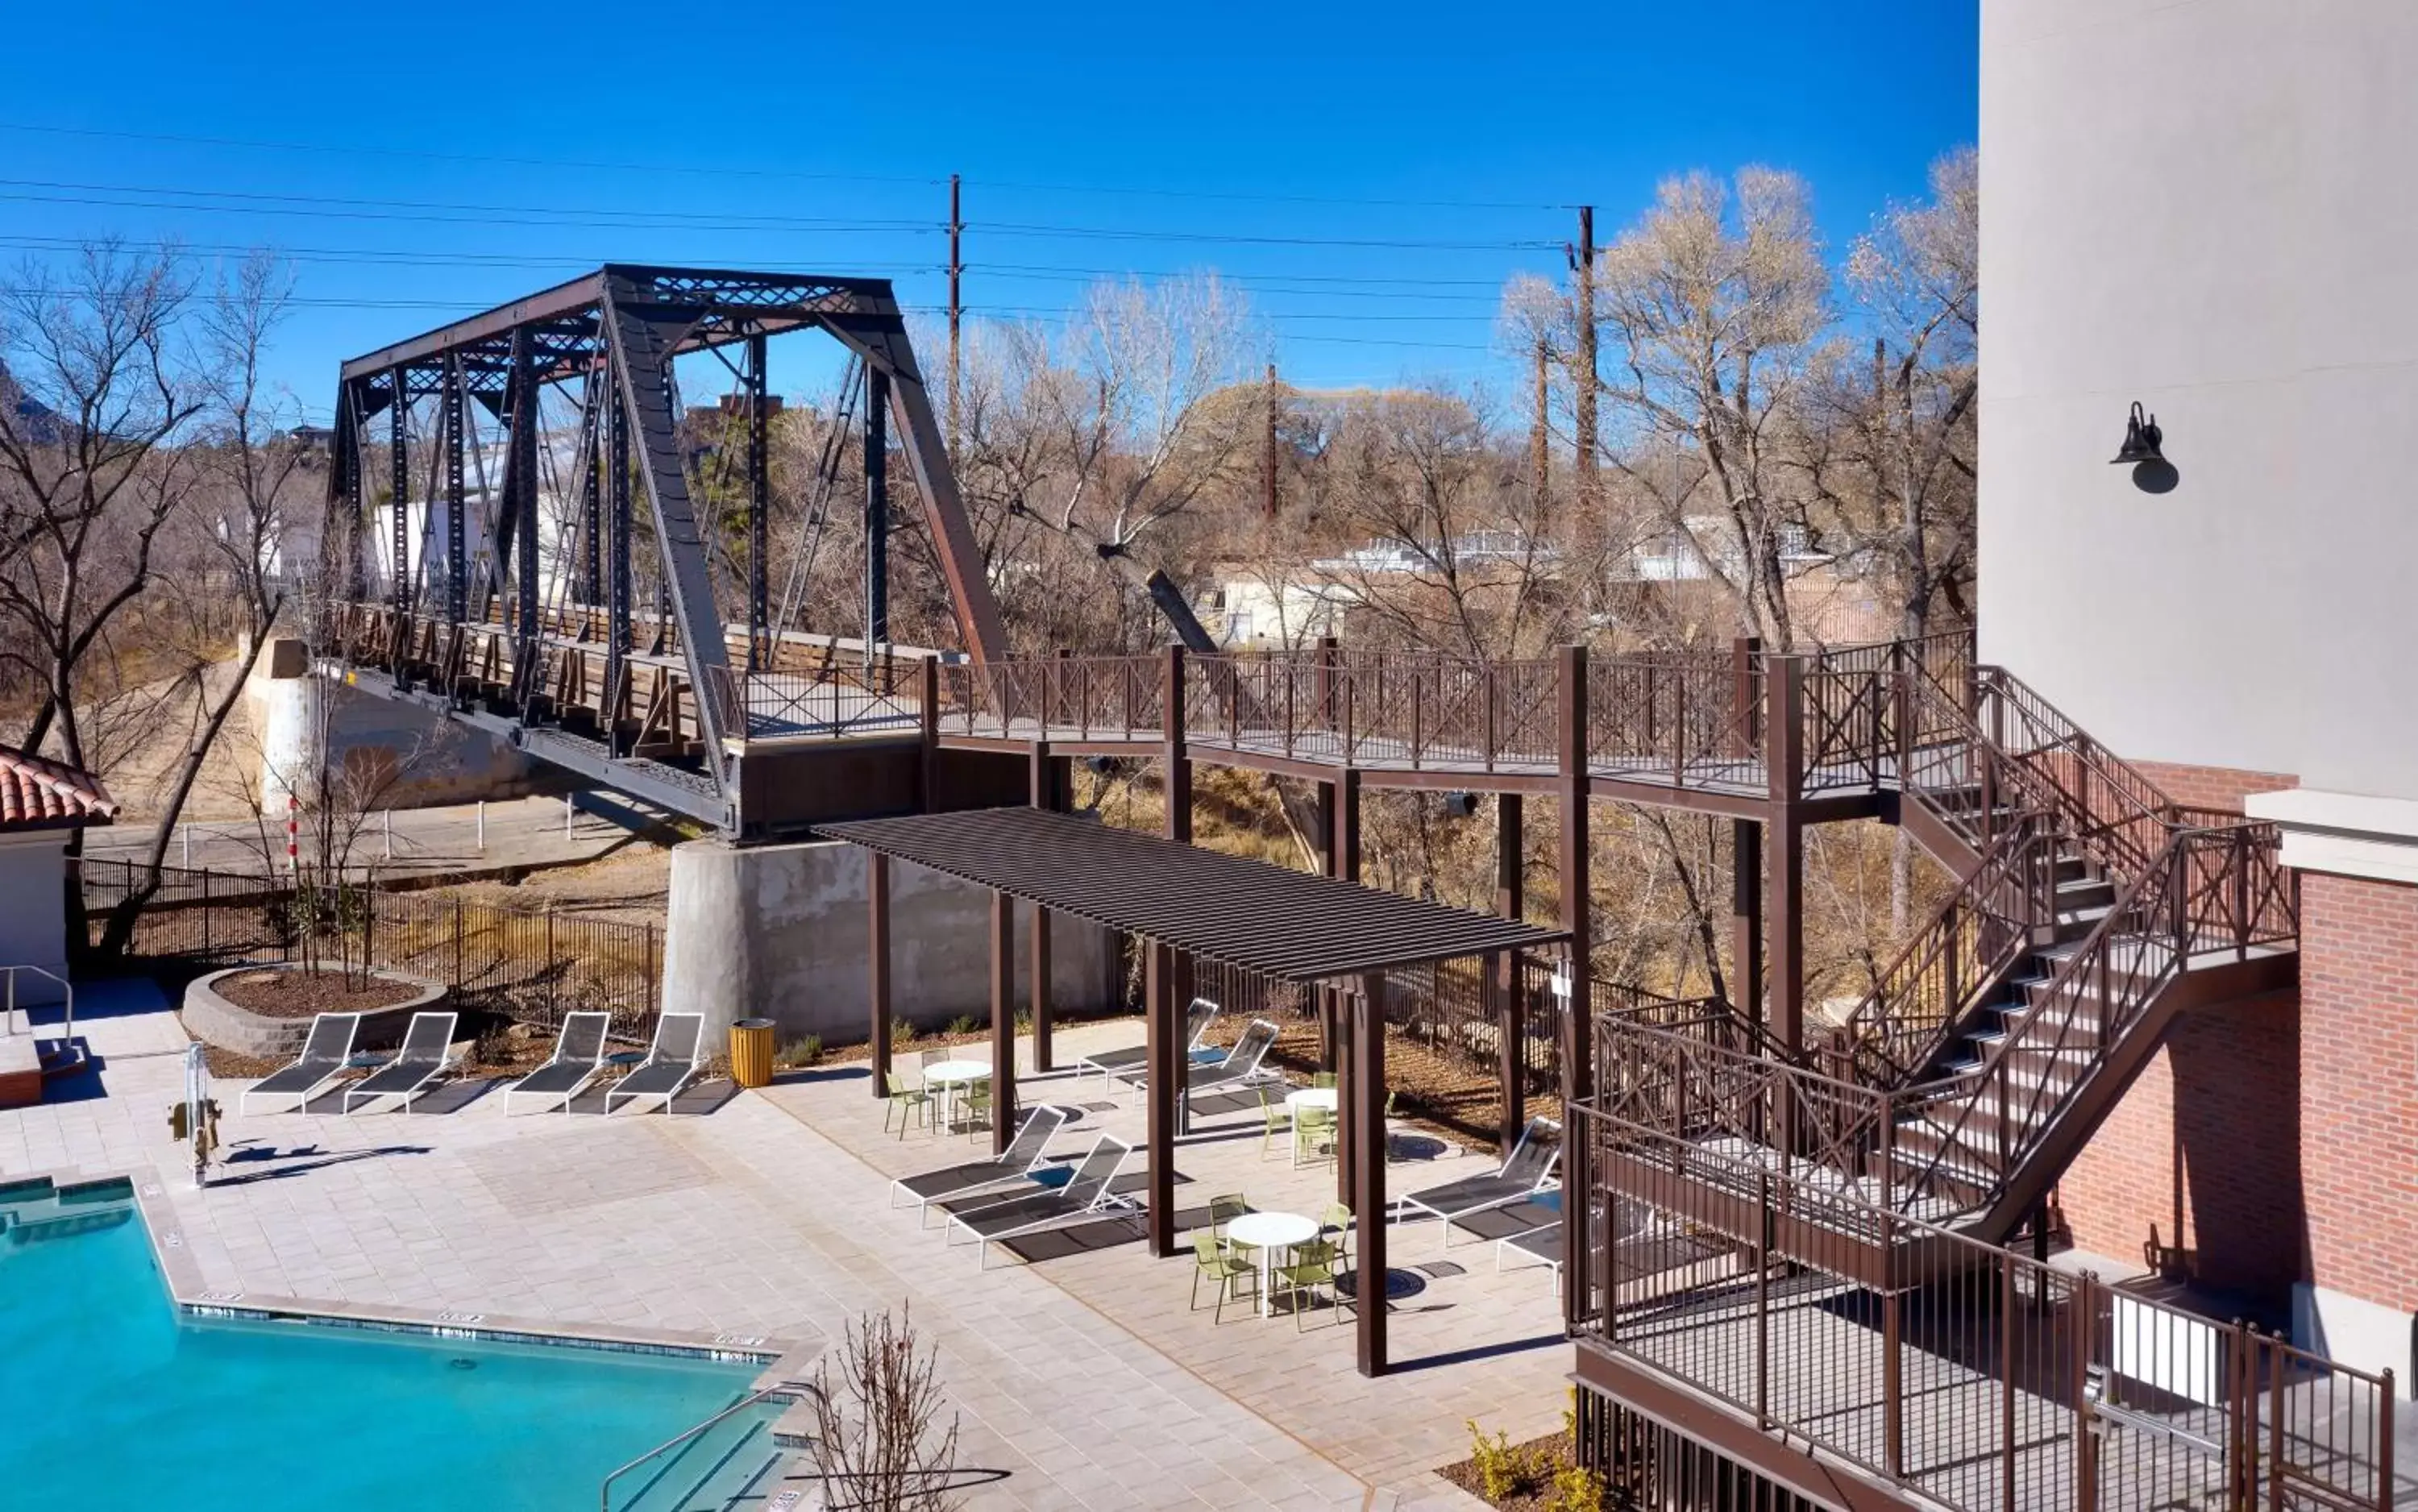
pixel 617 331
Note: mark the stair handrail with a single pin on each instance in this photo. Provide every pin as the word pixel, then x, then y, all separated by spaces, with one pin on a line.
pixel 783 1390
pixel 1981 932
pixel 2238 864
pixel 2131 828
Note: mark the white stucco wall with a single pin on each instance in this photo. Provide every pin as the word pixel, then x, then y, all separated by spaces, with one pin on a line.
pixel 2208 207
pixel 33 911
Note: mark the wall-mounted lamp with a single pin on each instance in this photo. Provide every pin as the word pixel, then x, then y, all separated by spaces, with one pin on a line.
pixel 1459 805
pixel 1100 765
pixel 2141 438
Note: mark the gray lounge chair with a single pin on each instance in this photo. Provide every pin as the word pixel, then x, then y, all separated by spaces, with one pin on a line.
pixel 578 1055
pixel 1033 1213
pixel 1239 1067
pixel 1529 1169
pixel 671 1063
pixel 1542 1242
pixel 427 1054
pixel 1108 1063
pixel 324 1050
pixel 1011 1167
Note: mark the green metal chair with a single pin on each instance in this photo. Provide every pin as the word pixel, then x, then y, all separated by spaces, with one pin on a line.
pixel 1311 1265
pixel 1338 1218
pixel 1313 1133
pixel 1322 1079
pixel 1279 1119
pixel 974 1108
pixel 1234 1274
pixel 905 1101
pixel 1225 1205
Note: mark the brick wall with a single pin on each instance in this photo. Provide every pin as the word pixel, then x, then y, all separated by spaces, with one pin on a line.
pixel 2203 1157
pixel 2359 1075
pixel 2212 787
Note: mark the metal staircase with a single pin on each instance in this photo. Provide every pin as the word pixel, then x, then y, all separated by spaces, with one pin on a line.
pixel 2091 910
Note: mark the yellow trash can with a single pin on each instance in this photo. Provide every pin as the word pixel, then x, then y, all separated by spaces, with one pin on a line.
pixel 751 1052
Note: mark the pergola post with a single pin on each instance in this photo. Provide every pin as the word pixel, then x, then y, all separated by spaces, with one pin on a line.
pixel 1047 794
pixel 1364 1119
pixel 1002 1019
pixel 1783 751
pixel 1163 1052
pixel 1511 1014
pixel 876 931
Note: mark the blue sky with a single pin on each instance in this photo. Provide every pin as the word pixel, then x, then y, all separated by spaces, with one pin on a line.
pixel 1370 174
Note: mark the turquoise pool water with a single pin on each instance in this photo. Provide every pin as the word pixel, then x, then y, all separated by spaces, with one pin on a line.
pixel 109 1398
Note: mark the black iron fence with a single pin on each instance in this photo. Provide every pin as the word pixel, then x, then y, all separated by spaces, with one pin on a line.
pixel 531 965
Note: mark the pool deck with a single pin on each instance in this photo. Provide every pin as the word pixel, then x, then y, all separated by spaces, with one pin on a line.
pixel 765 1223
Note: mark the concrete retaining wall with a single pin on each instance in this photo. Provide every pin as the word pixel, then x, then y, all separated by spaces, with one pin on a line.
pixel 213 1020
pixel 780 932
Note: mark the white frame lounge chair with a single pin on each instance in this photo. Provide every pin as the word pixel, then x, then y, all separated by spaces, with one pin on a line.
pixel 1199 1017
pixel 1239 1068
pixel 427 1054
pixel 662 1059
pixel 1542 1242
pixel 1086 1195
pixel 1014 1165
pixel 322 1061
pixel 565 1074
pixel 1528 1169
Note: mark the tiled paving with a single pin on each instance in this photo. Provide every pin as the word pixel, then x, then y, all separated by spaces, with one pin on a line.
pixel 1085 1378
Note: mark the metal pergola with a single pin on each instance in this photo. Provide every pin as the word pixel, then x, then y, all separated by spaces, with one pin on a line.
pixel 1186 904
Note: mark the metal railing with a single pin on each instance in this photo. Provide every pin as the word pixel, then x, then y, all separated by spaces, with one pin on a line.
pixel 531 965
pixel 1966 1373
pixel 11 1013
pixel 782 1391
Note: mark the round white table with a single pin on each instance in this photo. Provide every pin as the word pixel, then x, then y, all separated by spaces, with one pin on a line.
pixel 1268 1233
pixel 948 1076
pixel 1326 1098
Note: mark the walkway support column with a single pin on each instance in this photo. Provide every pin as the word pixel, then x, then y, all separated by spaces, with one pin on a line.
pixel 1364 1119
pixel 1578 1052
pixel 1336 1039
pixel 877 896
pixel 1003 1019
pixel 1177 764
pixel 1163 1052
pixel 1746 917
pixel 1578 1065
pixel 1048 793
pixel 1783 755
pixel 1511 1013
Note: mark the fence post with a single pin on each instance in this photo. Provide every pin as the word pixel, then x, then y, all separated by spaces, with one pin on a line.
pixel 652 1001
pixel 457 944
pixel 1892 1368
pixel 205 913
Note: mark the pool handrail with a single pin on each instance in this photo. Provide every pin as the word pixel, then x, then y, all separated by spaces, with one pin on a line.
pixel 8 1015
pixel 788 1389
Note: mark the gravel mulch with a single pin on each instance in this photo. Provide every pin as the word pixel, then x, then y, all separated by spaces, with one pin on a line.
pixel 291 993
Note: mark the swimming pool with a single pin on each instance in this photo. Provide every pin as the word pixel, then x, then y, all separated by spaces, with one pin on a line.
pixel 112 1397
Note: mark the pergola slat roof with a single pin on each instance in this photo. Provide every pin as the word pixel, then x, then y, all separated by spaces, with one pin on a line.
pixel 1285 924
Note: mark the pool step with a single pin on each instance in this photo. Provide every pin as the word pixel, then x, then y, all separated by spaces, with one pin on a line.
pixel 730 1468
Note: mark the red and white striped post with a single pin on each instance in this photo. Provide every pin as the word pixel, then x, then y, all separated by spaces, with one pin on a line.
pixel 294 835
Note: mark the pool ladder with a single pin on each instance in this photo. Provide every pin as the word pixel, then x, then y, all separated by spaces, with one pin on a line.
pixel 783 1391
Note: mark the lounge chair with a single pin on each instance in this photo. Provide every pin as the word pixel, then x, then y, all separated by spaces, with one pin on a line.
pixel 1033 1213
pixel 1108 1063
pixel 672 1062
pixel 1528 1169
pixel 427 1054
pixel 1542 1242
pixel 578 1055
pixel 1014 1164
pixel 324 1050
pixel 1241 1068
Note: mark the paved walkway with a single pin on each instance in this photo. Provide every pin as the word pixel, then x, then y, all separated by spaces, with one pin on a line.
pixel 1084 1379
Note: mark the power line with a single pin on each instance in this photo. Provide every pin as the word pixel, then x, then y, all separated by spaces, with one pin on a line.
pixel 724 170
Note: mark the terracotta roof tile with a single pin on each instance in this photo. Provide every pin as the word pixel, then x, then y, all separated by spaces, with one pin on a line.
pixel 35 794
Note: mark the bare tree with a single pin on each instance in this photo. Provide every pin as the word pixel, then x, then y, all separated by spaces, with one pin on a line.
pixel 1715 302
pixel 88 477
pixel 251 473
pixel 878 1439
pixel 1896 460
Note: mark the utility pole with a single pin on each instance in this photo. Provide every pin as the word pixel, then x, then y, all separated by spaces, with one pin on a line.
pixel 1583 266
pixel 1268 457
pixel 1540 455
pixel 957 308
